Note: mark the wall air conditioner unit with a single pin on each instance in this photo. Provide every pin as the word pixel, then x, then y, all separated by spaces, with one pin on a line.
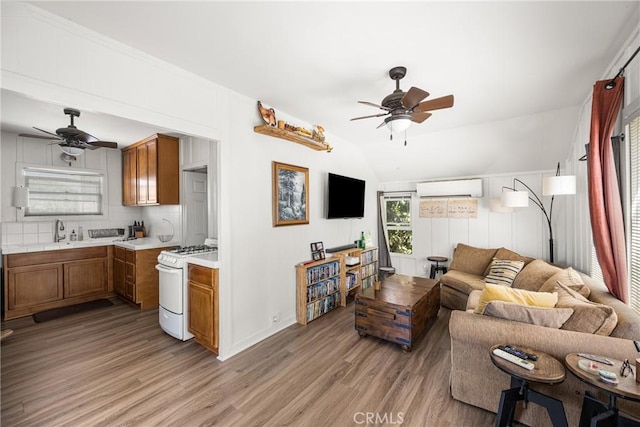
pixel 456 188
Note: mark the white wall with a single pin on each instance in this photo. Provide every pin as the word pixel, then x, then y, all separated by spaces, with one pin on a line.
pixel 257 277
pixel 524 231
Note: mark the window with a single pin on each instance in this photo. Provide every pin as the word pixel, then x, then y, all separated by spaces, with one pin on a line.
pixel 634 265
pixel 56 192
pixel 398 222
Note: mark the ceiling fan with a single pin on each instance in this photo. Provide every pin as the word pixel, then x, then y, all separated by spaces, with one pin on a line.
pixel 72 140
pixel 402 108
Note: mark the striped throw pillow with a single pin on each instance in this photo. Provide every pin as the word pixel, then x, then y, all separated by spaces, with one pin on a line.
pixel 503 271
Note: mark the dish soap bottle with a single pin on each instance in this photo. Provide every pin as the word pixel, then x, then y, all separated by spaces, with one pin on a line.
pixel 73 236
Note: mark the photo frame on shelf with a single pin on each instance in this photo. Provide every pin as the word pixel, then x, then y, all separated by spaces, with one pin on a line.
pixel 317 251
pixel 290 194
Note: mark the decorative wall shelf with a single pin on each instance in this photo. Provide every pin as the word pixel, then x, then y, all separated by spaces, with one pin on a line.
pixel 293 137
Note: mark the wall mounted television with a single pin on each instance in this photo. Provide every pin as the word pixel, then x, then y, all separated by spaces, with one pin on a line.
pixel 345 197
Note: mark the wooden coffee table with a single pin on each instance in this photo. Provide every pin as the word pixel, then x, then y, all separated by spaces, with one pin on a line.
pixel 400 311
pixel 592 408
pixel 547 370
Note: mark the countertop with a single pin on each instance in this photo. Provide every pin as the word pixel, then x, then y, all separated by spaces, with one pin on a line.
pixel 209 260
pixel 137 244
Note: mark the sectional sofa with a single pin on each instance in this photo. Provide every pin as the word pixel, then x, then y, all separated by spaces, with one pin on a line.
pixel 599 324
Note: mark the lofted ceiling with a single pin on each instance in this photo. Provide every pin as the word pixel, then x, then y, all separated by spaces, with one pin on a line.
pixel 503 61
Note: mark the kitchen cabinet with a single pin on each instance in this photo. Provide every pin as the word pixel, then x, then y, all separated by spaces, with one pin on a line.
pixel 39 281
pixel 203 306
pixel 135 276
pixel 151 172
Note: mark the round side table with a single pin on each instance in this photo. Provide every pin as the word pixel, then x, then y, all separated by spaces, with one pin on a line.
pixel 547 370
pixel 437 267
pixel 593 410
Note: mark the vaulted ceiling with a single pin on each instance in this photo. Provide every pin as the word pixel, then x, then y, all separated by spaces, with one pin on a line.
pixel 513 67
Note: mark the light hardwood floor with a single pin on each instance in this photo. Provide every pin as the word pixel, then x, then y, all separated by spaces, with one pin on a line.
pixel 115 366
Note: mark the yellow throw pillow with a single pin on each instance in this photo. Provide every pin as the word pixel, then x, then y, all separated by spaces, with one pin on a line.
pixel 519 296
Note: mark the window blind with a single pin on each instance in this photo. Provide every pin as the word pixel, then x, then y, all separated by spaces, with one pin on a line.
pixel 62 192
pixel 634 152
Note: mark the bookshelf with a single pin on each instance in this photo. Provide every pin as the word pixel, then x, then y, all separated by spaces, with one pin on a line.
pixel 369 267
pixel 324 285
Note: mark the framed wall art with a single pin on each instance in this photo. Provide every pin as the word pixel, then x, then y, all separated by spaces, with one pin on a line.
pixel 290 194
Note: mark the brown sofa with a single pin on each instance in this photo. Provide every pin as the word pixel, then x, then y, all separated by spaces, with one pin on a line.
pixel 476 381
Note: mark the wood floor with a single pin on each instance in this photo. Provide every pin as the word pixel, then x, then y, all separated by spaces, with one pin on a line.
pixel 115 366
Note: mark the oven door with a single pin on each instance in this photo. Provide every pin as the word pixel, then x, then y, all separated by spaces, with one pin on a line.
pixel 171 288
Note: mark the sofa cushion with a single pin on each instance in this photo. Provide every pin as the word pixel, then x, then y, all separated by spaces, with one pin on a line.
pixel 503 271
pixel 628 325
pixel 541 316
pixel 471 260
pixel 504 253
pixel 461 281
pixel 502 293
pixel 534 275
pixel 588 317
pixel 569 278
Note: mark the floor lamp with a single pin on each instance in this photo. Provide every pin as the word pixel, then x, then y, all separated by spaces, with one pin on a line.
pixel 551 186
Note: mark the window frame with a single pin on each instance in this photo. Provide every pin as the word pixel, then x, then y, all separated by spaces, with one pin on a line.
pixel 408 227
pixel 20 181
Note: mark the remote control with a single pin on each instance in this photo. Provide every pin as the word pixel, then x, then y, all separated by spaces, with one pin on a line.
pixel 513 359
pixel 512 349
pixel 596 358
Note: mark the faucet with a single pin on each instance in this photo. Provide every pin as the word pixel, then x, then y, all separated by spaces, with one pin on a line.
pixel 56 234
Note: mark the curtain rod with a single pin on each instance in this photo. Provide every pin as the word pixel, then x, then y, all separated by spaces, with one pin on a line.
pixel 611 83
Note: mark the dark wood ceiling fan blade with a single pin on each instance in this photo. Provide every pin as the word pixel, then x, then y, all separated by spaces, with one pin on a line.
pixel 99 144
pixel 420 117
pixel 435 104
pixel 47 132
pixel 374 105
pixel 48 138
pixel 413 97
pixel 381 124
pixel 368 117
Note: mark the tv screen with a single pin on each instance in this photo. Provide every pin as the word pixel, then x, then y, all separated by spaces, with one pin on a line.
pixel 345 197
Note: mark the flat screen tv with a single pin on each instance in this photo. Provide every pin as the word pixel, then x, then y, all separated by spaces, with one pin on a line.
pixel 345 197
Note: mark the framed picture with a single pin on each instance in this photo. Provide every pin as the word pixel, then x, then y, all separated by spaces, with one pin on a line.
pixel 290 194
pixel 317 251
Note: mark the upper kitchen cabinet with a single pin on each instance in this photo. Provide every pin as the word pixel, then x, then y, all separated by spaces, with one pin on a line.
pixel 151 172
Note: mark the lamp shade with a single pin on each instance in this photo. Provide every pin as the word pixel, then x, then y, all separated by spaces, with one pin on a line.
pixel 20 197
pixel 496 206
pixel 398 123
pixel 514 199
pixel 556 185
pixel 72 151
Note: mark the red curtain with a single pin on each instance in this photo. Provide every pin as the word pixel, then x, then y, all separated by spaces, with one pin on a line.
pixel 605 207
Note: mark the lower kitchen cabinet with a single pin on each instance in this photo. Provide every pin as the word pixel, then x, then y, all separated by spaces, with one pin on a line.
pixel 203 305
pixel 39 281
pixel 136 277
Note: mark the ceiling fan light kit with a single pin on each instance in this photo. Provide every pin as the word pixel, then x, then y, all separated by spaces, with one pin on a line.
pixel 72 151
pixel 402 108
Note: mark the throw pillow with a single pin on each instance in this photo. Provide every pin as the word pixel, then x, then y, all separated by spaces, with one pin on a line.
pixel 588 317
pixel 540 316
pixel 569 278
pixel 518 296
pixel 503 271
pixel 504 253
pixel 534 274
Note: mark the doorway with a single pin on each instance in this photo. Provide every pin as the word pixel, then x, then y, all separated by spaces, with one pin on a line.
pixel 195 192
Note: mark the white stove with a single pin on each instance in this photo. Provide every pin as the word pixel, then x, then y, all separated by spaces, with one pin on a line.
pixel 174 291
